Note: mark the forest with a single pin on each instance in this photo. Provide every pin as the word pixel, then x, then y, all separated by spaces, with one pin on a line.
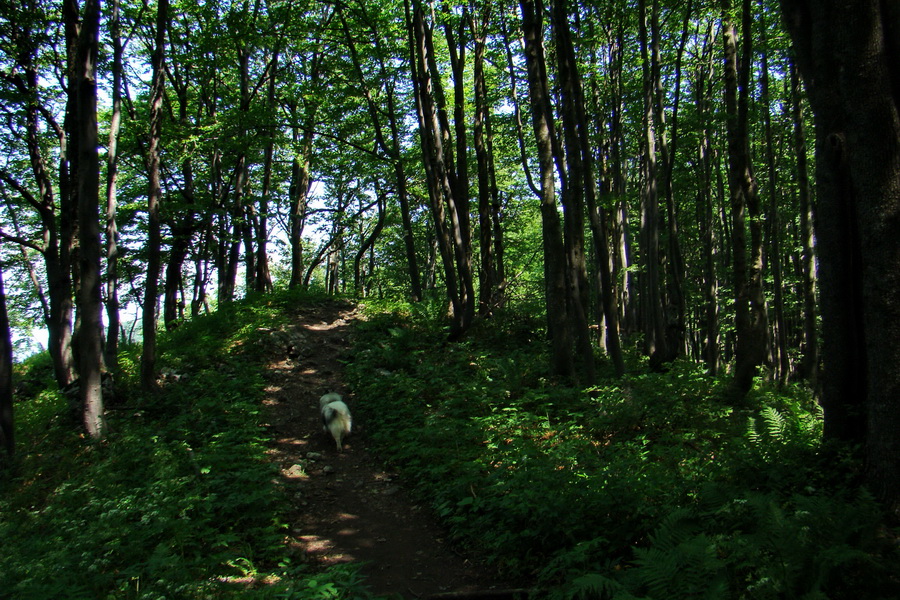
pixel 635 261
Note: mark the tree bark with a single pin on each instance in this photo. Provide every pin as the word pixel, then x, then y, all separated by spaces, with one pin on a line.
pixel 579 181
pixel 90 334
pixel 154 197
pixel 112 171
pixel 847 53
pixel 809 363
pixel 779 346
pixel 750 320
pixel 651 281
pixel 7 423
pixel 555 284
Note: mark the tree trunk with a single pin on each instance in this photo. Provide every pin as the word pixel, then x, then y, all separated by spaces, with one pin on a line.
pixel 578 180
pixel 809 363
pixel 488 280
pixel 750 321
pixel 555 285
pixel 112 170
pixel 846 52
pixel 7 428
pixel 154 235
pixel 394 151
pixel 440 174
pixel 651 282
pixel 706 215
pixel 299 197
pixel 90 305
pixel 779 349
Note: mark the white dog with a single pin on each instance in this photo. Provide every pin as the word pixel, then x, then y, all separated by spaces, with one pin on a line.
pixel 336 418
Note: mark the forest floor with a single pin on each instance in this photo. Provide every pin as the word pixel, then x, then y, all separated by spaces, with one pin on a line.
pixel 346 506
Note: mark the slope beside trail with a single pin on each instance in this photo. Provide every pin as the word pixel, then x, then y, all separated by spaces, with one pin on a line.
pixel 347 508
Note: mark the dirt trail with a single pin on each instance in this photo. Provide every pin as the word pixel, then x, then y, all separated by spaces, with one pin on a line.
pixel 347 508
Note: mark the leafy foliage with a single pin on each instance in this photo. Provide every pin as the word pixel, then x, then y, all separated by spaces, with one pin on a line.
pixel 179 501
pixel 653 486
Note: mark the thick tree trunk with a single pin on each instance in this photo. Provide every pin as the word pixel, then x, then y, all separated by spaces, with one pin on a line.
pixel 299 197
pixel 578 185
pixel 847 53
pixel 90 305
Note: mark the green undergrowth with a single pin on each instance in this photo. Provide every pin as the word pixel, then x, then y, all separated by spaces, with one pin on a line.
pixel 654 486
pixel 179 501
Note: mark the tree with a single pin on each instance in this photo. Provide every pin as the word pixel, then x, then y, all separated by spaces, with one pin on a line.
pixel 555 283
pixel 846 53
pixel 90 331
pixel 154 196
pixel 7 430
pixel 750 310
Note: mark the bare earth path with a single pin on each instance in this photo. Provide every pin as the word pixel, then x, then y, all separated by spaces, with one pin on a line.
pixel 347 508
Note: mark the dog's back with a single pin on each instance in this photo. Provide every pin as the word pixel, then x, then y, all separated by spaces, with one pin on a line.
pixel 336 418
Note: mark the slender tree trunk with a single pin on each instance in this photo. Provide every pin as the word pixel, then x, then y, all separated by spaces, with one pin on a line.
pixel 368 243
pixel 676 309
pixel 578 178
pixel 154 235
pixel 706 216
pixel 112 171
pixel 809 363
pixel 651 281
pixel 488 281
pixel 394 150
pixel 780 343
pixel 7 422
pixel 750 321
pixel 263 274
pixel 555 286
pixel 457 170
pixel 439 170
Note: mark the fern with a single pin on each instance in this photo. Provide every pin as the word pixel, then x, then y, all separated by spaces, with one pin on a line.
pixel 776 424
